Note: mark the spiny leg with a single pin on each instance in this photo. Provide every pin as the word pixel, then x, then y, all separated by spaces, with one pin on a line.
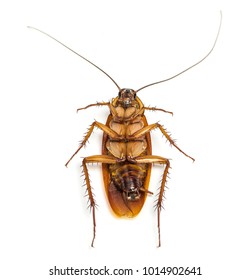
pixel 89 132
pixel 150 127
pixel 161 195
pixel 95 104
pixel 158 109
pixel 99 125
pixel 94 159
pixel 91 198
pixel 157 159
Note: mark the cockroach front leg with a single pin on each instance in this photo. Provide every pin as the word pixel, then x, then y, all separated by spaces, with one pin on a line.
pixel 95 104
pixel 99 125
pixel 160 160
pixel 157 109
pixel 94 159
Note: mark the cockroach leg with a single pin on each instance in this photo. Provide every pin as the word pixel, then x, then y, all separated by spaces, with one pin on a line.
pixel 160 160
pixel 161 195
pixel 150 127
pixel 99 125
pixel 96 104
pixel 158 109
pixel 86 137
pixel 168 137
pixel 101 159
pixel 94 159
pixel 91 198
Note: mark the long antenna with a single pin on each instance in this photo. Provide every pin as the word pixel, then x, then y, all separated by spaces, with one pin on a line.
pixel 76 54
pixel 162 81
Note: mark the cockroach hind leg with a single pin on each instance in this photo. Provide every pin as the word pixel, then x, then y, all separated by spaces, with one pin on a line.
pixel 159 239
pixel 94 226
pixel 91 198
pixel 92 201
pixel 159 205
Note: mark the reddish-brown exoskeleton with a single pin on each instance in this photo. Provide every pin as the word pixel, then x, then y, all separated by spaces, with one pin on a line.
pixel 126 151
pixel 126 156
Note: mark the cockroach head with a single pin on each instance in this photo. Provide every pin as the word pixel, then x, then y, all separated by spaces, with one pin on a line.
pixel 126 96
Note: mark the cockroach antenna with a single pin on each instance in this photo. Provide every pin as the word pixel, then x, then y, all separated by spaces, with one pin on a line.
pixel 75 53
pixel 190 67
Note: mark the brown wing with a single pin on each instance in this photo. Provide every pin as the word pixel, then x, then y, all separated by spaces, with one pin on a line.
pixel 116 201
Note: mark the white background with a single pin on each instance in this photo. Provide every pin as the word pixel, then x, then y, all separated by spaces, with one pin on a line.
pixel 44 219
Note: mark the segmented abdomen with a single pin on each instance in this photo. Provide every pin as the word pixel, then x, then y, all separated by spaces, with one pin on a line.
pixel 129 178
pixel 126 187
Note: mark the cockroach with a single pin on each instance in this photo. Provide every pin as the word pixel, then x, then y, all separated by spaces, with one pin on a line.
pixel 126 149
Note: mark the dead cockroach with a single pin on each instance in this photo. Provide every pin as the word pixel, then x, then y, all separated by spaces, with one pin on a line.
pixel 126 150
